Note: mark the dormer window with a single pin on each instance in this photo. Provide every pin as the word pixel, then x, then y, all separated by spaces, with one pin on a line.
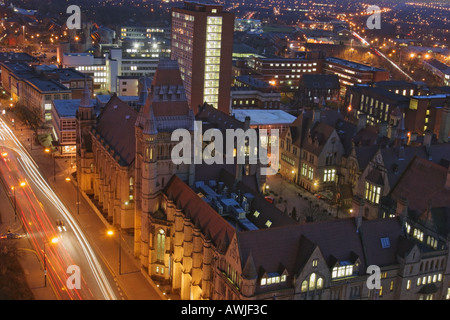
pixel 344 269
pixel 273 278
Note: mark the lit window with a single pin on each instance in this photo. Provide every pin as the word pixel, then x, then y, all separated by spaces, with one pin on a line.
pixel 304 286
pixel 315 262
pixel 372 192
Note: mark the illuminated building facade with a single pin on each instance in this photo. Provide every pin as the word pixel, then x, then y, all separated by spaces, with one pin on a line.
pixel 351 73
pixel 284 73
pixel 202 43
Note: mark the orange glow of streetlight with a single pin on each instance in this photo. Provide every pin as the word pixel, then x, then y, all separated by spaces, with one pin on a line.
pixel 110 232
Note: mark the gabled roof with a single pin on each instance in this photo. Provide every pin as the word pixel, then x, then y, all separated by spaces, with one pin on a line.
pixel 364 154
pixel 381 238
pixel 166 107
pixel 315 140
pixel 421 182
pixel 201 214
pixel 214 118
pixel 396 165
pixel 290 246
pixel 115 125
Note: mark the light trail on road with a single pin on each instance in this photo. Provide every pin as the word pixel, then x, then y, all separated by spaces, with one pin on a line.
pixel 73 246
pixel 366 43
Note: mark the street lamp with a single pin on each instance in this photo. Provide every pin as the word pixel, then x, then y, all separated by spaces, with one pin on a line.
pixel 51 241
pixel 47 150
pixel 111 233
pixel 13 188
pixel 78 195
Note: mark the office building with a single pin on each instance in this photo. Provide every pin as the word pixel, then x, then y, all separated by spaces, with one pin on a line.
pixel 202 43
pixel 439 70
pixel 351 73
pixel 284 73
pixel 35 87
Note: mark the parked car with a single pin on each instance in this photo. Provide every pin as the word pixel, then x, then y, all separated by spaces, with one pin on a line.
pixel 269 199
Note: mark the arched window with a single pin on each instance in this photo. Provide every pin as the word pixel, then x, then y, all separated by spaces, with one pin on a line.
pixel 304 286
pixel 160 245
pixel 319 284
pixel 312 283
pixel 92 168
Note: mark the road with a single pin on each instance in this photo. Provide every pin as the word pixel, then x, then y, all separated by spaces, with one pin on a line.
pixel 38 208
pixel 378 52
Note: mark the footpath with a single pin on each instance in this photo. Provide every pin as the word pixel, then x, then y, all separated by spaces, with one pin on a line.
pixel 132 282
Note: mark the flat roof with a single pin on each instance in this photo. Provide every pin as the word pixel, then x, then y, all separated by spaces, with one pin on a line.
pixel 17 56
pixel 77 54
pixel 68 108
pixel 106 97
pixel 352 64
pixel 263 116
pixel 34 77
pixel 46 85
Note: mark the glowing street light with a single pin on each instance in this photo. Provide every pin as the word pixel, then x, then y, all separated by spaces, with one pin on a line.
pixel 51 241
pixel 13 188
pixel 48 151
pixel 110 233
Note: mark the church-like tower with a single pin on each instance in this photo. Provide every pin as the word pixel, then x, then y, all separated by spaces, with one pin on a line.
pixel 85 121
pixel 165 110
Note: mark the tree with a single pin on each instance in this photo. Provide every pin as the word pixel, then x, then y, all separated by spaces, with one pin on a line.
pixel 294 214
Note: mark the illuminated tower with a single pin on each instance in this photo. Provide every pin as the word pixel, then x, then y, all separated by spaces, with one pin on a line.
pixel 202 43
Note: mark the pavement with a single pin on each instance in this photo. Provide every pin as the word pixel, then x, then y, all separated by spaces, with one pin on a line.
pixel 305 203
pixel 132 282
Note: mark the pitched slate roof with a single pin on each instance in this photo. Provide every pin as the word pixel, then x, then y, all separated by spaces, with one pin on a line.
pixel 381 239
pixel 364 154
pixel 315 140
pixel 166 107
pixel 214 118
pixel 421 182
pixel 289 246
pixel 395 166
pixel 201 214
pixel 115 125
